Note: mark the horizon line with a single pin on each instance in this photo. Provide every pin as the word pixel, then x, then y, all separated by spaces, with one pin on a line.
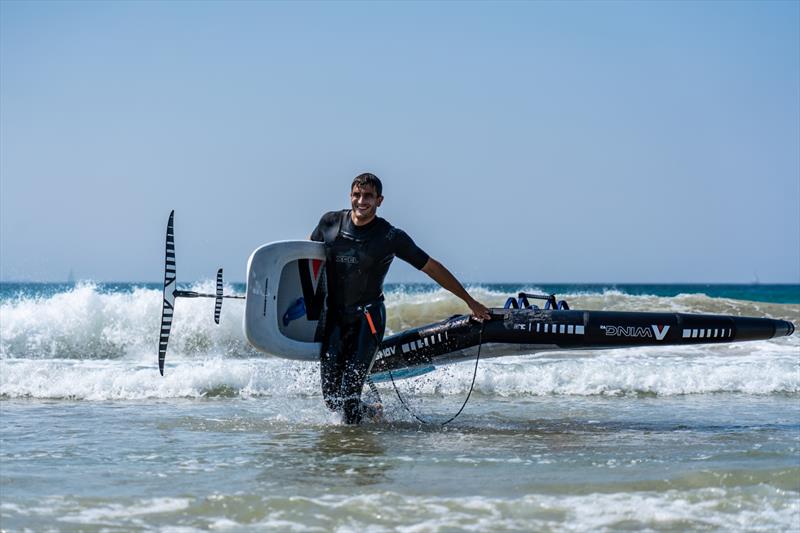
pixel 742 283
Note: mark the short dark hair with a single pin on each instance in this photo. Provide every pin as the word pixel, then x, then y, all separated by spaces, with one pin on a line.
pixel 368 178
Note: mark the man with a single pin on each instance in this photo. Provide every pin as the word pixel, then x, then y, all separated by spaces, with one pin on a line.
pixel 359 247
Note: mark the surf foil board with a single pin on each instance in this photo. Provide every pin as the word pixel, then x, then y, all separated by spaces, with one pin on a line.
pixel 285 317
pixel 285 305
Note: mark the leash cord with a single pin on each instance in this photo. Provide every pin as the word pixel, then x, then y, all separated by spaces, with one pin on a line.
pixel 463 405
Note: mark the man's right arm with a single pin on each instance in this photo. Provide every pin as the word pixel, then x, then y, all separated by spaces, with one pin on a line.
pixel 319 232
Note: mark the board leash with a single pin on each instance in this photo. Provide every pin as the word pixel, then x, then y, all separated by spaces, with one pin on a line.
pixel 463 405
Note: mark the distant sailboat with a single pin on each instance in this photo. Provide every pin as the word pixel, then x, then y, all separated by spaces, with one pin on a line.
pixel 71 277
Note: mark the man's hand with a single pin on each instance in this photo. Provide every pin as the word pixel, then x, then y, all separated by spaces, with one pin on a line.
pixel 479 311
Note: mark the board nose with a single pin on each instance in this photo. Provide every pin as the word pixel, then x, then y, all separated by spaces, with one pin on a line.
pixel 784 328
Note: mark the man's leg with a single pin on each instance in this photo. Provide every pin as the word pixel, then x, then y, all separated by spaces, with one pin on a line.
pixel 331 368
pixel 358 365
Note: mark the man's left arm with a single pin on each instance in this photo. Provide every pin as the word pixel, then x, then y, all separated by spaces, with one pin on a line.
pixel 406 250
pixel 439 273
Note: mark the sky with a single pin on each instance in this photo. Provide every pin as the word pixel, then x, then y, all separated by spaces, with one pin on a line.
pixel 587 142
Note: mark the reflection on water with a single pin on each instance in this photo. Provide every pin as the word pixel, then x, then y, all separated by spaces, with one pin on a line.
pixel 328 457
pixel 354 452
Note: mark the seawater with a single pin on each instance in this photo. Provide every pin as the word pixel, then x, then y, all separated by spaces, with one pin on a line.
pixel 92 438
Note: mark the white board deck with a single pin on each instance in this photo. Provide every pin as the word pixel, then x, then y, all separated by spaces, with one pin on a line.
pixel 285 299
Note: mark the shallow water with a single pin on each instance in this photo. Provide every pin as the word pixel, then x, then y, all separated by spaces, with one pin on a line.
pixel 666 438
pixel 724 461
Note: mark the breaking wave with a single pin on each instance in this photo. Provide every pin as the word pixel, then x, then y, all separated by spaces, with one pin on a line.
pixel 87 343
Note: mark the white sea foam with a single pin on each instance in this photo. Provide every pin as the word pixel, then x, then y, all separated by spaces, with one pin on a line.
pixel 763 367
pixel 421 307
pixel 87 323
pixel 117 380
pixel 112 513
pixel 762 508
pixel 88 344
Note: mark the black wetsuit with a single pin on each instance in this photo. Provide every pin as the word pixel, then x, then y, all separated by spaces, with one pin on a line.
pixel 357 260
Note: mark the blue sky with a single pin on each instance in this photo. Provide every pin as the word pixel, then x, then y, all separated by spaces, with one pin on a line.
pixel 532 142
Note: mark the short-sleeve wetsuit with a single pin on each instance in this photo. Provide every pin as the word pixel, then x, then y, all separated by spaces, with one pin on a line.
pixel 357 260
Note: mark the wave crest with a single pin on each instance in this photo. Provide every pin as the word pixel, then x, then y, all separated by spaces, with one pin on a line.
pixel 87 323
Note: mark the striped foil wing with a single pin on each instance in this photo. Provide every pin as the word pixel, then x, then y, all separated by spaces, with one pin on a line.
pixel 218 299
pixel 168 305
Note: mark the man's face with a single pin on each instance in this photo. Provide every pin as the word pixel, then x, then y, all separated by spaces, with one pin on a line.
pixel 365 202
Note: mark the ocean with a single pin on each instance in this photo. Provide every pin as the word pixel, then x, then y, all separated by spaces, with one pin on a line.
pixel 92 438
